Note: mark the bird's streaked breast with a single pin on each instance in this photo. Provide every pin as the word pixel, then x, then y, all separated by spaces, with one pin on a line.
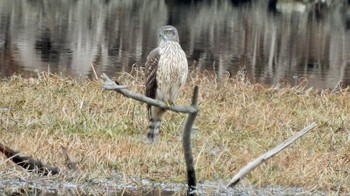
pixel 172 71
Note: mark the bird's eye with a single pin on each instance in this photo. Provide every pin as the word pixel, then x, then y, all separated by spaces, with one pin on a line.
pixel 167 31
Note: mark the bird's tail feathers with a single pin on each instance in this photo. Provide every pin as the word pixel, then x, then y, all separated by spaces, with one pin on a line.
pixel 153 130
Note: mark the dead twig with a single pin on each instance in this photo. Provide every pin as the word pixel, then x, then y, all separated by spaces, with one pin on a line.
pixel 68 161
pixel 28 163
pixel 252 165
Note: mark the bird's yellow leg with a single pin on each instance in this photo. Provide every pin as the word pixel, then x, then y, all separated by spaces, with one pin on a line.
pixel 170 103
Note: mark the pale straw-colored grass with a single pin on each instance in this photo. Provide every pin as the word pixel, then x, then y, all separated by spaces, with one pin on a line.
pixel 105 132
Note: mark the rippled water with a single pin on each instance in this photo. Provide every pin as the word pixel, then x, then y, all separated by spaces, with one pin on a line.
pixel 273 40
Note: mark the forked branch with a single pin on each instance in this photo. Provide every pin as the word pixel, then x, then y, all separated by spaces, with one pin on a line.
pixel 192 111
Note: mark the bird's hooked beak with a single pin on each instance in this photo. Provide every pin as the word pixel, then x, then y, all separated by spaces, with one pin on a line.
pixel 162 36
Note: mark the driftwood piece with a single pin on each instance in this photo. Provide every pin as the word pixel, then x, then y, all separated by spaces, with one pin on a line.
pixel 191 110
pixel 28 163
pixel 253 164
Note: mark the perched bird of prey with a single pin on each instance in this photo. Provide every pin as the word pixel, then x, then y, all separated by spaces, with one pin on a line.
pixel 166 72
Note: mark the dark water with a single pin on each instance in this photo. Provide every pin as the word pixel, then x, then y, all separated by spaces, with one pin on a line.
pixel 273 40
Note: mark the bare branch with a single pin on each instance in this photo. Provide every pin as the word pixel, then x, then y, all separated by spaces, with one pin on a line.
pixel 253 164
pixel 186 144
pixel 28 163
pixel 192 111
pixel 111 85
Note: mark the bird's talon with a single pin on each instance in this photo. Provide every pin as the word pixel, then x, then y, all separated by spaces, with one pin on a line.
pixel 170 104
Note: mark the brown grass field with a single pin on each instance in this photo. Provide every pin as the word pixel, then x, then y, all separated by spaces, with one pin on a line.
pixel 104 132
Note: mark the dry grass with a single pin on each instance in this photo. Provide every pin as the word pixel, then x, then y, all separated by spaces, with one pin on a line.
pixel 105 132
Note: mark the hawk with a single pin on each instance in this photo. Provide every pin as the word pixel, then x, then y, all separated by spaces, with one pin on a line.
pixel 166 72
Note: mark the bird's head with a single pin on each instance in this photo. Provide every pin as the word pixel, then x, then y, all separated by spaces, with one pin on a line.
pixel 168 33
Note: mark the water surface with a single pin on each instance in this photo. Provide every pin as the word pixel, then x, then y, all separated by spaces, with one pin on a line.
pixel 274 41
pixel 52 188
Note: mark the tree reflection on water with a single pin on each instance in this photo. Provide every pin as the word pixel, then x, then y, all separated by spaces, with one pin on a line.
pixel 275 41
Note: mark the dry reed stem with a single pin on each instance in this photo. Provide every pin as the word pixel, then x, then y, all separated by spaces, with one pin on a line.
pixel 237 122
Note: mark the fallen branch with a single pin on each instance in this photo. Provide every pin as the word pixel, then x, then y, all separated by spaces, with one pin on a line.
pixel 28 163
pixel 111 85
pixel 192 111
pixel 252 165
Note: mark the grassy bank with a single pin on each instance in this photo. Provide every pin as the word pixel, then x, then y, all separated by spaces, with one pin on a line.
pixel 105 132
